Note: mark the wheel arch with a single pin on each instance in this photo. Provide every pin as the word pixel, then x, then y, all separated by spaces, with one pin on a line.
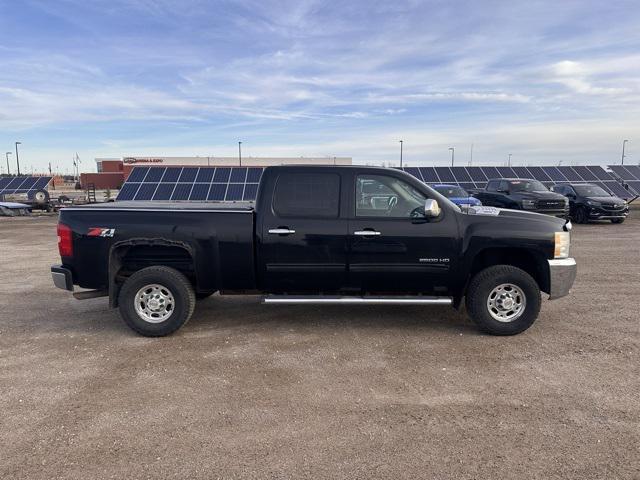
pixel 128 256
pixel 530 260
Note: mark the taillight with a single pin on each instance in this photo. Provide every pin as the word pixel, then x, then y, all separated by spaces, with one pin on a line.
pixel 65 240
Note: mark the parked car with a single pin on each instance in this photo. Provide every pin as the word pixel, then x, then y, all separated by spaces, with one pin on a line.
pixel 591 202
pixel 457 194
pixel 315 236
pixel 523 194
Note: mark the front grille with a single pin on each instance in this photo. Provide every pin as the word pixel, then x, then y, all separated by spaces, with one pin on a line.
pixel 612 207
pixel 550 204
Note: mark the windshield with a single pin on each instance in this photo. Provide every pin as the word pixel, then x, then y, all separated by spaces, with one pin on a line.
pixel 590 191
pixel 527 186
pixel 452 192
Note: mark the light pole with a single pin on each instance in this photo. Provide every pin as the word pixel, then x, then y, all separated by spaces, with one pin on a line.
pixel 401 142
pixel 17 157
pixel 240 153
pixel 624 142
pixel 452 154
pixel 7 155
pixel 509 159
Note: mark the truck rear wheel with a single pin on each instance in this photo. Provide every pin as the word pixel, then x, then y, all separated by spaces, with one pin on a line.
pixel 156 301
pixel 503 300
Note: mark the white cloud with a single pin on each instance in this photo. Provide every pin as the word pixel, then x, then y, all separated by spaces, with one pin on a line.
pixel 583 77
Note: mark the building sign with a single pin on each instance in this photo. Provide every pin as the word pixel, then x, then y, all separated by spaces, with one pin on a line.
pixel 130 160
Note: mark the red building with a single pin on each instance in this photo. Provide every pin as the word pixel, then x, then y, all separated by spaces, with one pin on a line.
pixel 110 175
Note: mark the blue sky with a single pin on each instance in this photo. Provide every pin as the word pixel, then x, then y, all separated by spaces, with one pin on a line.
pixel 547 81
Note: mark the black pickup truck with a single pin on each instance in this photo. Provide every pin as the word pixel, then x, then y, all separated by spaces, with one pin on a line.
pixel 523 194
pixel 346 235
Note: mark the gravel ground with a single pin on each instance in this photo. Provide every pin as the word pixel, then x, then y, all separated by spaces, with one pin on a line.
pixel 253 391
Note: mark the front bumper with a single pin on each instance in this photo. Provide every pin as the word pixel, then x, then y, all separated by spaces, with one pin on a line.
pixel 599 213
pixel 562 274
pixel 62 277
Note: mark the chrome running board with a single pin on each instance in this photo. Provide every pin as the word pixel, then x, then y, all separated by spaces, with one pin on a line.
pixel 367 300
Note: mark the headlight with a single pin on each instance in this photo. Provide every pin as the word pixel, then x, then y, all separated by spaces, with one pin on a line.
pixel 593 204
pixel 529 204
pixel 562 244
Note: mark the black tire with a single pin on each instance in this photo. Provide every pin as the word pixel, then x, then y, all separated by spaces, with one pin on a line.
pixel 581 215
pixel 203 295
pixel 484 283
pixel 180 296
pixel 617 220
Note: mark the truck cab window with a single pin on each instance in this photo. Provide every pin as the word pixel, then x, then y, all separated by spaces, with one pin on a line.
pixel 314 195
pixel 504 186
pixel 492 186
pixel 383 196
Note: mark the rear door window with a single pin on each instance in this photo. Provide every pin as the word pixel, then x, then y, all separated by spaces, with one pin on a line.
pixel 314 195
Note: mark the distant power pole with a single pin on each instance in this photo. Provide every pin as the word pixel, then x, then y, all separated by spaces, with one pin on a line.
pixel 8 170
pixel 17 157
pixel 240 153
pixel 509 159
pixel 471 155
pixel 401 141
pixel 624 142
pixel 453 149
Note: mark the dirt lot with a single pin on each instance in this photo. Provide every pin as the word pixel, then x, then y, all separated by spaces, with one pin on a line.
pixel 253 391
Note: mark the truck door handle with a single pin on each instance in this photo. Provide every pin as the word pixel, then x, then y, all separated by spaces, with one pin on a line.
pixel 366 233
pixel 281 231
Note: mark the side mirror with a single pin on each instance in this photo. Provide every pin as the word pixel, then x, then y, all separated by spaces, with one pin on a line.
pixel 431 208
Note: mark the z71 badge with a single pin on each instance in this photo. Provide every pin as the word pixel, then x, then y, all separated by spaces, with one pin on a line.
pixel 101 232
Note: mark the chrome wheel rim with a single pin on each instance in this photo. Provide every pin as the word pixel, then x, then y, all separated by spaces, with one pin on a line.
pixel 506 302
pixel 154 303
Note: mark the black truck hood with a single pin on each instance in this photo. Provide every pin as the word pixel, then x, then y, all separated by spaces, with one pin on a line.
pixel 515 215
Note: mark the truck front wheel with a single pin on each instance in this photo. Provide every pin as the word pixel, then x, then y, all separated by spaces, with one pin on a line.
pixel 156 301
pixel 503 300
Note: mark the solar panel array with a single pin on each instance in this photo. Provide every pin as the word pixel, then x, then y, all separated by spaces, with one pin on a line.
pixel 192 184
pixel 629 174
pixel 28 185
pixel 477 177
pixel 241 183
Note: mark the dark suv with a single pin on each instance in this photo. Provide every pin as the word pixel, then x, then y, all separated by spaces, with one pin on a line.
pixel 523 194
pixel 591 202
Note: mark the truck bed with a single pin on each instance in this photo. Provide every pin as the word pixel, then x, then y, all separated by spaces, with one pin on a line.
pixel 218 237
